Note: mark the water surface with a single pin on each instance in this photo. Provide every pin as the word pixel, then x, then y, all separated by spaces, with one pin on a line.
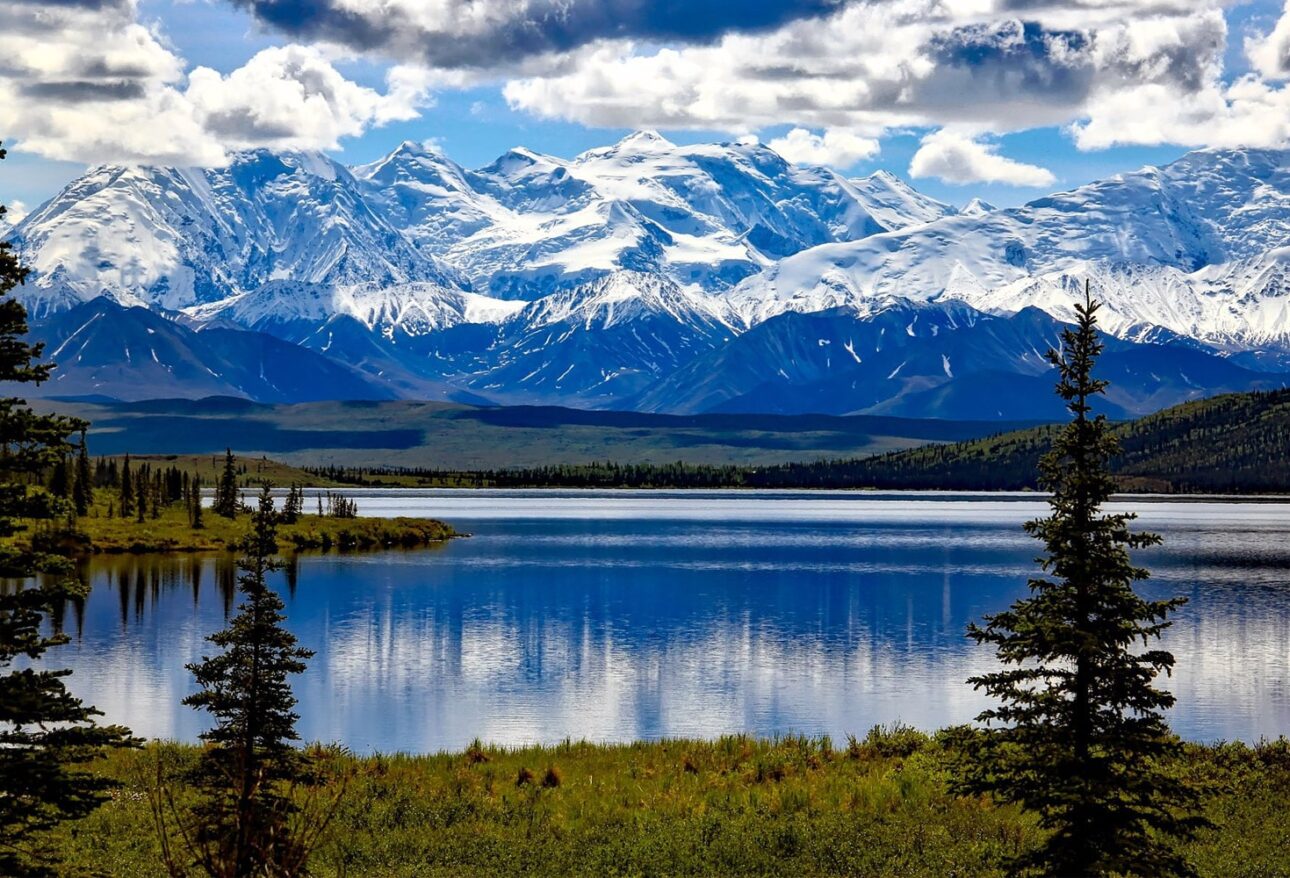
pixel 623 615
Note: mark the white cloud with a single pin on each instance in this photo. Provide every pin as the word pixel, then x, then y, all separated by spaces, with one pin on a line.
pixel 291 96
pixel 878 64
pixel 1112 71
pixel 1270 54
pixel 14 212
pixel 957 158
pixel 836 147
pixel 88 82
pixel 1250 112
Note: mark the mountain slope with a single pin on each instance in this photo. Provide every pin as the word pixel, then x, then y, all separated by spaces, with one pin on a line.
pixel 708 214
pixel 920 359
pixel 102 348
pixel 175 237
pixel 1196 247
pixel 1235 442
pixel 602 342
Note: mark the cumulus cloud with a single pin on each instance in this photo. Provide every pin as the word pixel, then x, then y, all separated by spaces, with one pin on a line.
pixel 11 214
pixel 956 158
pixel 85 80
pixel 292 97
pixel 480 33
pixel 835 147
pixel 1270 53
pixel 875 65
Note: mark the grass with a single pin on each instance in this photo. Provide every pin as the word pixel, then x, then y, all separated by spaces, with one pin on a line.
pixel 259 469
pixel 735 806
pixel 97 533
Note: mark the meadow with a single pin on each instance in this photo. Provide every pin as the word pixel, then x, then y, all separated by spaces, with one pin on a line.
pixel 736 806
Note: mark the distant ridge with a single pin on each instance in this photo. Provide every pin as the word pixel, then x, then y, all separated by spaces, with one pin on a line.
pixel 1236 443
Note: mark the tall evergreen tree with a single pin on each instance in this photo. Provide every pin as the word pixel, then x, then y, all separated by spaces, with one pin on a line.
pixel 45 733
pixel 226 494
pixel 244 823
pixel 141 492
pixel 60 482
pixel 126 505
pixel 83 493
pixel 197 503
pixel 1080 737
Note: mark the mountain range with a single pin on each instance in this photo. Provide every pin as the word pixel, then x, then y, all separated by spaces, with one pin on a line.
pixel 654 277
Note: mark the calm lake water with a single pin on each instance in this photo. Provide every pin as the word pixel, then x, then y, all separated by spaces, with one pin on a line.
pixel 621 615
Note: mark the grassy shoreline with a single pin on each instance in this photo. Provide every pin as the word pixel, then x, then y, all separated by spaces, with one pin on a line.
pixel 733 806
pixel 96 533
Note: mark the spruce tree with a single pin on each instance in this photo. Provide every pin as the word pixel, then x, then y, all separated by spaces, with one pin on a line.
pixel 83 495
pixel 1079 737
pixel 197 503
pixel 60 483
pixel 226 496
pixel 244 823
pixel 45 733
pixel 126 505
pixel 141 493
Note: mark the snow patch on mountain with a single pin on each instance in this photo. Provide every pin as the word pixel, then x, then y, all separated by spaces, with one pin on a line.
pixel 175 237
pixel 1193 248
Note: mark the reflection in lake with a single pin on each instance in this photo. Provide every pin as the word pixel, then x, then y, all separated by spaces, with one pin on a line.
pixel 697 615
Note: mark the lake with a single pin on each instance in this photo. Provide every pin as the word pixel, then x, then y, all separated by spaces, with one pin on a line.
pixel 621 615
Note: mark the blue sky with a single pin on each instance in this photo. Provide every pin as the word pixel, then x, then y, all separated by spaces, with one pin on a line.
pixel 968 104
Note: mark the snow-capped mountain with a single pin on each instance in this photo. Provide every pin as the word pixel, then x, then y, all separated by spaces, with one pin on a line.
pixel 1196 248
pixel 676 278
pixel 175 237
pixel 602 342
pixel 706 215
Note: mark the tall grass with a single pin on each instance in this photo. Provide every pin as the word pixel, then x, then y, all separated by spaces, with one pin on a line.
pixel 732 806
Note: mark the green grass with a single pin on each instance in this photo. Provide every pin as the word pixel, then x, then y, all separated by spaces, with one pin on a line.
pixel 97 533
pixel 735 806
pixel 258 469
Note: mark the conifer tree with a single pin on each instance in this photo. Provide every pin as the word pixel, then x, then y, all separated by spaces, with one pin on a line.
pixel 226 496
pixel 126 504
pixel 45 733
pixel 60 483
pixel 294 505
pixel 244 823
pixel 197 503
pixel 141 493
pixel 1079 737
pixel 83 493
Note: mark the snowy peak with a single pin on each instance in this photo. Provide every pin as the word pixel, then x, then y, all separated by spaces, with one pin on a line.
pixel 625 296
pixel 645 140
pixel 896 204
pixel 178 237
pixel 977 207
pixel 1179 248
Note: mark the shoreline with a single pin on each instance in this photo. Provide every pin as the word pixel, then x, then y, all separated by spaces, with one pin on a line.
pixel 733 489
pixel 172 534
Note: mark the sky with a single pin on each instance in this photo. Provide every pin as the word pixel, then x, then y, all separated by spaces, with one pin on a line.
pixel 1005 100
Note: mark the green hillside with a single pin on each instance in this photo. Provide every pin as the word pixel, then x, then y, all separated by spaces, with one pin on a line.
pixel 1237 442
